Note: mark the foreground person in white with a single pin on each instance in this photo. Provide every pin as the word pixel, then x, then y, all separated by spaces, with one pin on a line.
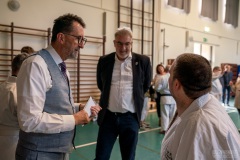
pixel 9 127
pixel 201 129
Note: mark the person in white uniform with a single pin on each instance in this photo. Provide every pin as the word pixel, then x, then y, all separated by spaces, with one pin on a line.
pixel 216 84
pixel 160 70
pixel 167 103
pixel 201 129
pixel 9 128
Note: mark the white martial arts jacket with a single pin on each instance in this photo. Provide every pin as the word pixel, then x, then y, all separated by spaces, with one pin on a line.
pixel 204 131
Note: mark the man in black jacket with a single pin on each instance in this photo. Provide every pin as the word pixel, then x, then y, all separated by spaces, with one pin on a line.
pixel 123 77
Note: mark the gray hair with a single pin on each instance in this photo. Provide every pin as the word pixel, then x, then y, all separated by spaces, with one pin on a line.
pixel 123 31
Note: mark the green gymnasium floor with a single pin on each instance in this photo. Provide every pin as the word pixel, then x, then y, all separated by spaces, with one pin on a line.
pixel 149 142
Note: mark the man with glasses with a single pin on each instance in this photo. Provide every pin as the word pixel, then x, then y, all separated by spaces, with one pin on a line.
pixel 123 77
pixel 79 38
pixel 46 111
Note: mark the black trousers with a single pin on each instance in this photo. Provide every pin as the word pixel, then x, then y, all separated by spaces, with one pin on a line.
pixel 125 126
pixel 158 104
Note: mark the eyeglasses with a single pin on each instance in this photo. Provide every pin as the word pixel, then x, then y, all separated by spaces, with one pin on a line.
pixel 120 44
pixel 79 38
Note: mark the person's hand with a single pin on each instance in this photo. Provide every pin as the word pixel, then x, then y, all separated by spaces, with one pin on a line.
pixel 230 83
pixel 95 110
pixel 81 117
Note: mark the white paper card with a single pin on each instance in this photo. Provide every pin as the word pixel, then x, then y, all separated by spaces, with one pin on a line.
pixel 88 106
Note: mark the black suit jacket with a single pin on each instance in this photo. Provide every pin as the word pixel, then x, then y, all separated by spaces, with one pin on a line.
pixel 142 75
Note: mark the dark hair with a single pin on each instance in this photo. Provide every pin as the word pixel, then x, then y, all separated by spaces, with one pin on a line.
pixel 27 49
pixel 194 73
pixel 64 24
pixel 157 68
pixel 17 61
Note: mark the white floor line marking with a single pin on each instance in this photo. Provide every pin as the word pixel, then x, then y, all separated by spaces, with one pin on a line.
pixel 84 145
pixel 148 130
pixel 140 132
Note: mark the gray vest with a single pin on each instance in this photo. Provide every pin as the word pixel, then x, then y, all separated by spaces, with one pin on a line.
pixel 58 101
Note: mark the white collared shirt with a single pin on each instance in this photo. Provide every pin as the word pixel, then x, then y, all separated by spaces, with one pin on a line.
pixel 121 92
pixel 33 82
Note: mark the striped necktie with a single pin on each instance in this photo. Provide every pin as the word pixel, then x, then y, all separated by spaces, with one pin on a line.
pixel 63 69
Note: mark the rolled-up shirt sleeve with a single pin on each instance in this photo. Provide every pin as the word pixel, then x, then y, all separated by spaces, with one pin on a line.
pixel 33 82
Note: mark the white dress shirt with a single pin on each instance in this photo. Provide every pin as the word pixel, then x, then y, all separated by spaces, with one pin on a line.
pixel 204 131
pixel 121 92
pixel 33 82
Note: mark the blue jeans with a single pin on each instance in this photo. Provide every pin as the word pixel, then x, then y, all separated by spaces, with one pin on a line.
pixel 125 126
